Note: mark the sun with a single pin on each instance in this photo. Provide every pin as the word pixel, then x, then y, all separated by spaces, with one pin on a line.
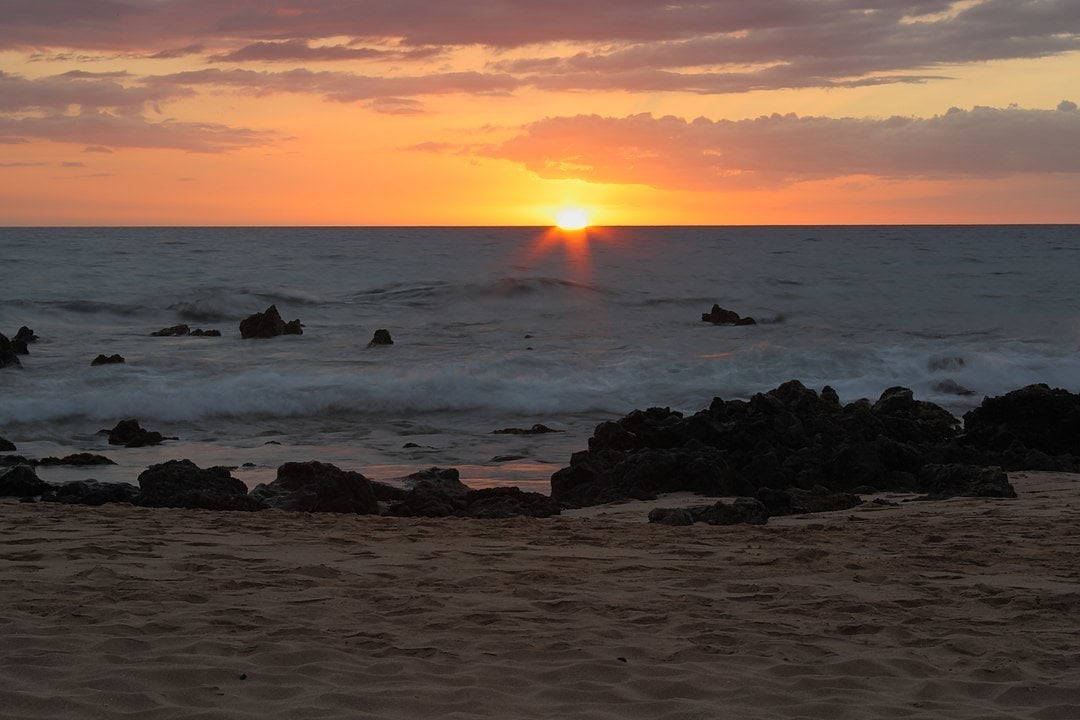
pixel 572 218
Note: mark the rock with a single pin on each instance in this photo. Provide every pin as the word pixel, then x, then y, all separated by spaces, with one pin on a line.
pixel 381 337
pixel 536 429
pixel 435 492
pixel 945 363
pixel 13 460
pixel 130 434
pixel 76 459
pixel 8 356
pixel 951 387
pixel 174 331
pixel 318 487
pixel 954 480
pixel 21 481
pixel 506 502
pixel 743 511
pixel 185 330
pixel 1031 418
pixel 672 516
pixel 183 484
pixel 794 501
pixel 722 316
pixel 7 445
pixel 91 492
pixel 107 360
pixel 26 335
pixel 268 324
pixel 387 493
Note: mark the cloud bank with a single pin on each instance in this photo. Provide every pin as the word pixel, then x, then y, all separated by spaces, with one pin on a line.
pixel 778 150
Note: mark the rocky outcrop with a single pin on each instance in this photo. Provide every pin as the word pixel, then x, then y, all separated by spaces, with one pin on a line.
pixel 21 481
pixel 945 481
pixel 723 316
pixel 184 331
pixel 1032 418
pixel 8 356
pixel 183 484
pixel 381 337
pixel 439 492
pixel 790 437
pixel 268 324
pixel 107 360
pixel 7 445
pixel 91 492
pixel 537 429
pixel 76 459
pixel 130 434
pixel 318 487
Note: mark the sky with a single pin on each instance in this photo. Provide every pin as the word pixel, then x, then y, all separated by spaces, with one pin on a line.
pixel 506 112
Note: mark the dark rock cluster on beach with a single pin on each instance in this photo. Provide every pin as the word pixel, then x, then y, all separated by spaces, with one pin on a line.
pixel 793 439
pixel 184 331
pixel 268 324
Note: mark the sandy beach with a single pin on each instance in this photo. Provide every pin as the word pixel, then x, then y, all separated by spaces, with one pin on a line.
pixel 966 608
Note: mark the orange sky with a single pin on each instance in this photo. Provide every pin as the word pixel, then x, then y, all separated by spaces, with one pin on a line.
pixel 491 112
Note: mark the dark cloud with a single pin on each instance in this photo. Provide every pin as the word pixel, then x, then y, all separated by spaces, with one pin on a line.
pixel 776 150
pixel 298 51
pixel 83 89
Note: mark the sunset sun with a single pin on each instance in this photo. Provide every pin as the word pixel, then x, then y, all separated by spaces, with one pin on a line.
pixel 572 218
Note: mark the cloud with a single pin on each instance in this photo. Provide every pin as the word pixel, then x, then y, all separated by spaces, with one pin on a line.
pixel 778 150
pixel 707 46
pixel 128 131
pixel 83 89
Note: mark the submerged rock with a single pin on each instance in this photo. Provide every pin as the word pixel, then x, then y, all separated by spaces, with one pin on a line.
pixel 173 331
pixel 318 487
pixel 723 316
pixel 268 324
pixel 130 434
pixel 107 360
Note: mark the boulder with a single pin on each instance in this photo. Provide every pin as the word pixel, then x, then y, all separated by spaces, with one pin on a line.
pixel 130 434
pixel 435 492
pixel 381 337
pixel 76 459
pixel 268 324
pixel 1034 418
pixel 91 492
pixel 318 487
pixel 722 316
pixel 183 484
pixel 107 360
pixel 21 481
pixel 7 445
pixel 940 482
pixel 506 502
pixel 8 355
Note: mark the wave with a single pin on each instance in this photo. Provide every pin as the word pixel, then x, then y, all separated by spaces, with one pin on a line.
pixel 223 304
pixel 424 294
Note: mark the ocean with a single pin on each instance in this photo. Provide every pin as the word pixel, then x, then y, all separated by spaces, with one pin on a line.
pixel 502 328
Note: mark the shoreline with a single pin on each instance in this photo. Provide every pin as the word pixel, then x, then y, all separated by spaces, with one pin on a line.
pixel 960 608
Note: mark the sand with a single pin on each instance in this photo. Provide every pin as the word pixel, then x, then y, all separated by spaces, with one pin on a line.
pixel 968 608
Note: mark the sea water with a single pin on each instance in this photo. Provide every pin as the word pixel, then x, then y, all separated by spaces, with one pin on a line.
pixel 503 327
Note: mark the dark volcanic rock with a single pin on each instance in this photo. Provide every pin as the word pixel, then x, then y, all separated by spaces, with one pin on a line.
pixel 8 356
pixel 107 360
pixel 130 434
pixel 536 429
pixel 91 492
pixel 794 501
pixel 722 316
pixel 7 445
pixel 268 324
pixel 77 459
pixel 318 487
pixel 757 510
pixel 173 331
pixel 435 492
pixel 381 337
pixel 505 502
pixel 205 333
pixel 1035 418
pixel 183 484
pixel 954 480
pixel 13 460
pixel 789 437
pixel 25 335
pixel 21 481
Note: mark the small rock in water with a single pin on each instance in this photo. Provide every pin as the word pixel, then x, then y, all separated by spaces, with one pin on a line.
pixel 268 324
pixel 26 335
pixel 77 459
pixel 382 337
pixel 174 331
pixel 722 316
pixel 130 434
pixel 951 387
pixel 8 355
pixel 107 360
pixel 536 429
